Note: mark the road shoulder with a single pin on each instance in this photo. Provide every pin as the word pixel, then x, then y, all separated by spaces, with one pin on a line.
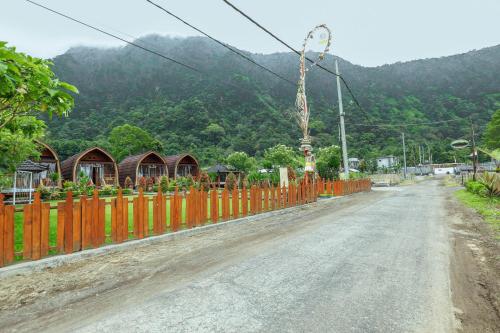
pixel 474 269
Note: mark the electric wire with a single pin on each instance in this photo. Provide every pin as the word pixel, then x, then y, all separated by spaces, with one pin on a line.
pixel 221 43
pixel 366 114
pixel 115 36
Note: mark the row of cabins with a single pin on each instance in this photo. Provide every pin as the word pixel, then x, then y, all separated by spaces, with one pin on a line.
pixel 102 169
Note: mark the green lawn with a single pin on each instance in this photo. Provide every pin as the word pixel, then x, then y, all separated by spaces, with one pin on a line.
pixel 489 208
pixel 18 220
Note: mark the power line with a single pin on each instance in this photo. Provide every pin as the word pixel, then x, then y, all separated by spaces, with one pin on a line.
pixel 298 52
pixel 221 43
pixel 411 124
pixel 114 36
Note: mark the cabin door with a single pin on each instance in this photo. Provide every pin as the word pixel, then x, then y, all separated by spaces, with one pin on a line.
pixel 96 175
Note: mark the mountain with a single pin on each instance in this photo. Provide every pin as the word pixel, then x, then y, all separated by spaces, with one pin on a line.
pixel 254 109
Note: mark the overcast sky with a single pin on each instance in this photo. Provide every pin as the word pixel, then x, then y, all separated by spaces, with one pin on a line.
pixel 366 32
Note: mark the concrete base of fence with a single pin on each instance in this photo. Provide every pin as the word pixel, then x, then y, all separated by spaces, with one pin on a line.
pixel 58 260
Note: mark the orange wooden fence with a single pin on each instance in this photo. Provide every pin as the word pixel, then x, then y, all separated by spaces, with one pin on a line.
pixel 82 224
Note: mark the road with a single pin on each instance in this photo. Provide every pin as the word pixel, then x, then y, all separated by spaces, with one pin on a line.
pixel 373 262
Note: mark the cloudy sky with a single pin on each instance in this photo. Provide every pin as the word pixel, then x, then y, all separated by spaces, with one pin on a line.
pixel 366 32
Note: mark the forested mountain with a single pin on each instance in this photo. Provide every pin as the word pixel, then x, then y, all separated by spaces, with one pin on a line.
pixel 235 106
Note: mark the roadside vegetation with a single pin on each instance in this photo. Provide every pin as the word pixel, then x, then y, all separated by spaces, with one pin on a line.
pixel 483 196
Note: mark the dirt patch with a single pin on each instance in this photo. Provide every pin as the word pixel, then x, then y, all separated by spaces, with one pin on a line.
pixel 475 270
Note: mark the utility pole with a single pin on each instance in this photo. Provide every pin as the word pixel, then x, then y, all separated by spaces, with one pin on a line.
pixel 342 127
pixel 474 152
pixel 404 154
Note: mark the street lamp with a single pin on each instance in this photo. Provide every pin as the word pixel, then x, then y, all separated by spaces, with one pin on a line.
pixel 322 36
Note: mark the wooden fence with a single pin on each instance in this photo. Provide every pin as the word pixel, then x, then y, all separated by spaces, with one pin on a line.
pixel 89 223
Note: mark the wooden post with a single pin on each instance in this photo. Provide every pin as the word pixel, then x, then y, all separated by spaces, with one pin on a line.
pixel 77 227
pixel 273 197
pixel 235 197
pixel 45 230
pixel 214 205
pixel 244 201
pixel 8 233
pixel 225 204
pixel 86 220
pixel 2 233
pixel 266 197
pixel 68 223
pixel 27 232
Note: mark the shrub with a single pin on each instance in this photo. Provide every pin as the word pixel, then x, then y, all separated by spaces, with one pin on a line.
pixel 127 191
pixel 291 174
pixel 476 188
pixel 164 184
pixel 142 183
pixel 150 183
pixel 231 181
pixel 54 177
pixel 44 192
pixel 129 183
pixel 106 190
pixel 204 181
pixel 255 177
pixel 491 181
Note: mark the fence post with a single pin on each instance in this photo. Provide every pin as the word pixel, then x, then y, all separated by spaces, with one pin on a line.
pixel 235 197
pixel 77 226
pixel 6 233
pixel 68 223
pixel 214 205
pixel 266 197
pixel 244 201
pixel 225 204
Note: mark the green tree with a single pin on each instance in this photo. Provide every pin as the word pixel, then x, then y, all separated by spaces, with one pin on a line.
pixel 280 156
pixel 127 140
pixel 241 161
pixel 28 88
pixel 328 161
pixel 491 135
pixel 214 132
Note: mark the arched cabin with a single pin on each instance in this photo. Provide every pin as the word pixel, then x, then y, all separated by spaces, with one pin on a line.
pixel 50 160
pixel 95 163
pixel 182 166
pixel 148 165
pixel 33 172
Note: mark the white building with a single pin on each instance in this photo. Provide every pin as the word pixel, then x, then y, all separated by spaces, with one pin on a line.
pixel 387 162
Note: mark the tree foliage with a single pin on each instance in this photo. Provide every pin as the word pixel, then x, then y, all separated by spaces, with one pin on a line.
pixel 492 133
pixel 280 156
pixel 28 88
pixel 236 107
pixel 241 161
pixel 127 140
pixel 328 162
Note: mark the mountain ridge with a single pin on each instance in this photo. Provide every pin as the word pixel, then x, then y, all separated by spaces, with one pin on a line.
pixel 124 84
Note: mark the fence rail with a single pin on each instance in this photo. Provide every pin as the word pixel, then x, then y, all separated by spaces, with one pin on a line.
pixel 91 222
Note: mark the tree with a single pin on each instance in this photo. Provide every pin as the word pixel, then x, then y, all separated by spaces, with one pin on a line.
pixel 491 135
pixel 214 132
pixel 280 156
pixel 328 162
pixel 127 140
pixel 28 88
pixel 241 161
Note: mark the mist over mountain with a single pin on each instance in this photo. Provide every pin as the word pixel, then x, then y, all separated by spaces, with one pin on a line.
pixel 253 109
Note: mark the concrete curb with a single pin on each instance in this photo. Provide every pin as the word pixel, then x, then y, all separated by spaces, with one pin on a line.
pixel 61 259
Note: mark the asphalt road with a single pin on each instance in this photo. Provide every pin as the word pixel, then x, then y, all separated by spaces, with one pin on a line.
pixel 375 262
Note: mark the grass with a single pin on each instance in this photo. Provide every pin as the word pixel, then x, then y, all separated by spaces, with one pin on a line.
pixel 488 208
pixel 18 220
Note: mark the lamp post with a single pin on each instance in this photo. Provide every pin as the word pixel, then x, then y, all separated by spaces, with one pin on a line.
pixel 302 111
